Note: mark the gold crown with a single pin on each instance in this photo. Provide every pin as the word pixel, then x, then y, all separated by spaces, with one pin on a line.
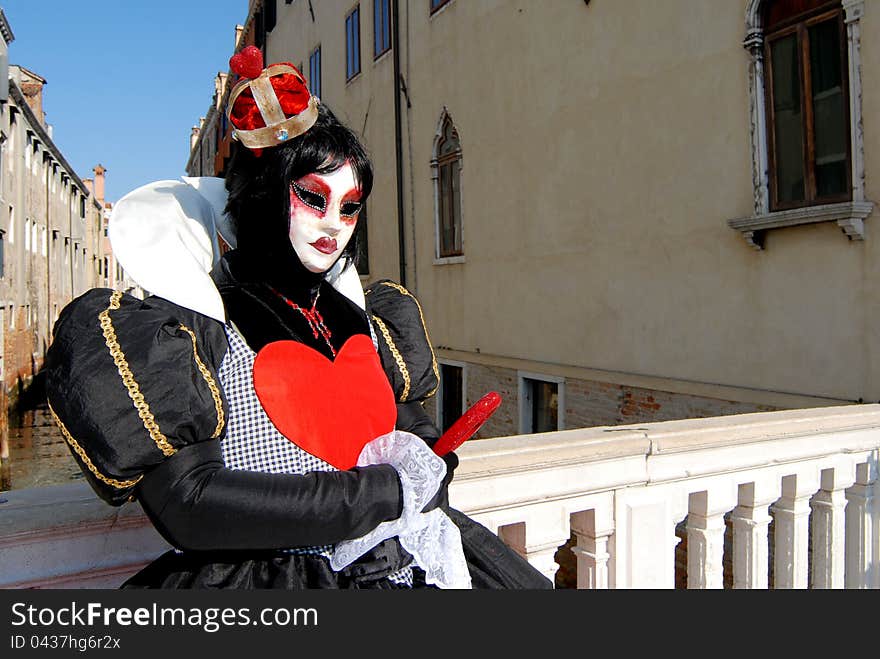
pixel 278 127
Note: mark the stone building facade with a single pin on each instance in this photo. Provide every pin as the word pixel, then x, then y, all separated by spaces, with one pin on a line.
pixel 51 232
pixel 589 202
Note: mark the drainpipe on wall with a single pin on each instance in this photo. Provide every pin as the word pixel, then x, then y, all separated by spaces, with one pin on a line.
pixel 398 139
pixel 70 240
pixel 409 158
pixel 48 259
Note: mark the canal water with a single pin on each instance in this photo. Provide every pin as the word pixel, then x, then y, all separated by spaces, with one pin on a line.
pixel 38 455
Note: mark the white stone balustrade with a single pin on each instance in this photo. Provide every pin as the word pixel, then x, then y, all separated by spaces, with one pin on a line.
pixel 619 491
pixel 792 513
pixel 829 527
pixel 706 536
pixel 751 522
pixel 863 529
pixel 594 530
pixel 790 463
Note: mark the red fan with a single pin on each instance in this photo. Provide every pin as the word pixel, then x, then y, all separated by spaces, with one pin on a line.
pixel 469 423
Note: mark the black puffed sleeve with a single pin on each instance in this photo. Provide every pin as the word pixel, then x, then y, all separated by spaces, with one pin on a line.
pixel 404 345
pixel 130 382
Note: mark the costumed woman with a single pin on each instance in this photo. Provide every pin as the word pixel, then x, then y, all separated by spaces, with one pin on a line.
pixel 267 416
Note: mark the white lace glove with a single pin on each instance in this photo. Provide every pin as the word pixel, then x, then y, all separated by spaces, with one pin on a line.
pixel 432 538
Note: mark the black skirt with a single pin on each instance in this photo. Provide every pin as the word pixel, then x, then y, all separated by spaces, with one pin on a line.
pixel 492 565
pixel 210 570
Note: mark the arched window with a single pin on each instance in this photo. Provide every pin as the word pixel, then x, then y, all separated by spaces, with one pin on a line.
pixel 446 170
pixel 806 116
pixel 807 103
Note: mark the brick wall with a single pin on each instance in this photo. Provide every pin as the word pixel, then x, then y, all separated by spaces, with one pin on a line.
pixel 19 367
pixel 19 352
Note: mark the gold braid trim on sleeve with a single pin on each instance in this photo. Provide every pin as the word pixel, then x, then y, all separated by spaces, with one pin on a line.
pixel 128 380
pixel 122 485
pixel 401 364
pixel 215 392
pixel 403 291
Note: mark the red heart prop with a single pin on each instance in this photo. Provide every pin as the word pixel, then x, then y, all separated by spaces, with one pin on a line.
pixel 329 408
pixel 248 62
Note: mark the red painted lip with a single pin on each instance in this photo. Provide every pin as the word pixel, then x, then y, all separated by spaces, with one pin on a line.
pixel 325 245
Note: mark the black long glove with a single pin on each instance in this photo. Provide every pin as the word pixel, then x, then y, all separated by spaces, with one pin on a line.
pixel 196 503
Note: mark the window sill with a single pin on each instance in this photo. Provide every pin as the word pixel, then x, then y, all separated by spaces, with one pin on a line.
pixel 438 10
pixel 449 260
pixel 849 215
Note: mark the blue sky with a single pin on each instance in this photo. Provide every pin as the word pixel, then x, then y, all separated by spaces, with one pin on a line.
pixel 126 79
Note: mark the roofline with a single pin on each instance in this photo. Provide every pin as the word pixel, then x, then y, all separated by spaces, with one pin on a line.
pixel 33 74
pixel 37 127
pixel 208 119
pixel 5 29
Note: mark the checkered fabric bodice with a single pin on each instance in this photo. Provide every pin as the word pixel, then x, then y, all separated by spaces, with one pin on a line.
pixel 252 443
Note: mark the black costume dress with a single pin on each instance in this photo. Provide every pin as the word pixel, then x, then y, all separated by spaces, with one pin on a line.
pixel 136 387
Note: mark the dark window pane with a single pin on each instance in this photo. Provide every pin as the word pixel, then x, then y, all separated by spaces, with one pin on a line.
pixel 778 12
pixel 455 215
pixel 545 406
pixel 356 39
pixel 271 14
pixel 259 30
pixel 788 127
pixel 349 45
pixel 451 381
pixel 446 227
pixel 353 44
pixel 381 26
pixel 829 109
pixel 377 30
pixel 315 72
pixel 825 56
pixel 386 26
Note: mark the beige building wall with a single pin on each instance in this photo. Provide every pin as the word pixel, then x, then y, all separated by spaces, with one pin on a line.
pixel 605 147
pixel 51 234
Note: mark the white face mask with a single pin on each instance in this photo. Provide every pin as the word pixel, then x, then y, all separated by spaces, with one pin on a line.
pixel 324 211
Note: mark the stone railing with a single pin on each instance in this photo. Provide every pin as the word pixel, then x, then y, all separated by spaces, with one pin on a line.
pixel 65 537
pixel 809 476
pixel 622 491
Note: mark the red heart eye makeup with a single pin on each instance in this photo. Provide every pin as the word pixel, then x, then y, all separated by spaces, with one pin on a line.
pixel 314 193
